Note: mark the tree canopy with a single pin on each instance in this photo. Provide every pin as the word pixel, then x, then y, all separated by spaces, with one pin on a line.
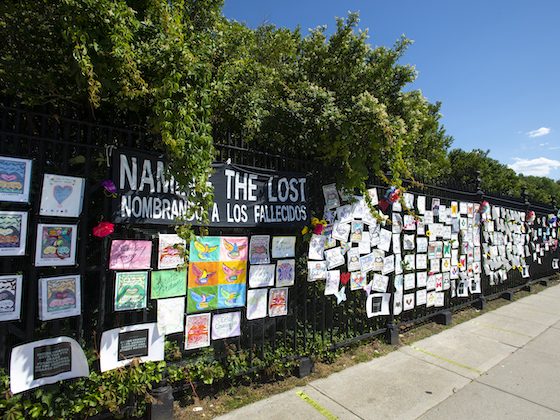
pixel 498 178
pixel 190 75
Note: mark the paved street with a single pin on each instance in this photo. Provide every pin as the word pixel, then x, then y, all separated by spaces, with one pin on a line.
pixel 504 364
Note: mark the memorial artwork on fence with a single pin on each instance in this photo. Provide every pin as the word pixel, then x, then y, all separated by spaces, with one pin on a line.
pixel 505 242
pixel 56 245
pixel 127 254
pixel 226 325
pixel 15 178
pixel 13 233
pixel 46 362
pixel 217 273
pixel 425 251
pixel 62 196
pixel 170 251
pixel 130 290
pixel 168 283
pixel 119 346
pixel 10 297
pixel 516 240
pixel 197 331
pixel 270 278
pixel 171 315
pixel 59 297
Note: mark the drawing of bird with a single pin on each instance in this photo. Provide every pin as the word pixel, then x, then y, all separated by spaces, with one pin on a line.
pixel 229 297
pixel 202 276
pixel 202 300
pixel 234 249
pixel 231 273
pixel 204 250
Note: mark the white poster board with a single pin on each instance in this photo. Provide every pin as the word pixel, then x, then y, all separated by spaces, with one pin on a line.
pixel 46 362
pixel 120 346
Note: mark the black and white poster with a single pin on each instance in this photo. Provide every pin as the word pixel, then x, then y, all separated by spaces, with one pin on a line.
pixel 46 362
pixel 120 346
pixel 133 344
pixel 146 194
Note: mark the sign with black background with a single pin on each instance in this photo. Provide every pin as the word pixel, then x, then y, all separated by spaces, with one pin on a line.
pixel 242 198
pixel 133 344
pixel 52 360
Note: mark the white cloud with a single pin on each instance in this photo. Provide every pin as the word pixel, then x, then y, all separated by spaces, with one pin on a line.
pixel 539 166
pixel 539 132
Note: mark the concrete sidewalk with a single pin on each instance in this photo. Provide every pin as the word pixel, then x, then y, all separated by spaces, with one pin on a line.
pixel 504 364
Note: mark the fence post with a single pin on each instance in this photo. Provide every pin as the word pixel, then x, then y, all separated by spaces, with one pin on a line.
pixel 392 332
pixel 481 302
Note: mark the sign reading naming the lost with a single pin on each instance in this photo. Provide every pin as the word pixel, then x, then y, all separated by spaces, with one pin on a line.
pixel 120 346
pixel 52 360
pixel 133 344
pixel 46 362
pixel 147 194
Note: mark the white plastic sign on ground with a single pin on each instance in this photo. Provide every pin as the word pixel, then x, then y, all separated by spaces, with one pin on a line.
pixel 120 346
pixel 46 362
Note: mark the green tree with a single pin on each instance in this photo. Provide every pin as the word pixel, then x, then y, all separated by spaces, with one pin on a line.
pixel 541 189
pixel 186 72
pixel 135 62
pixel 332 99
pixel 496 177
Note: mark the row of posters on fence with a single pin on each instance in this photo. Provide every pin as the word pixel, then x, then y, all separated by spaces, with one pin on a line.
pixel 216 280
pixel 224 273
pixel 217 274
pixel 511 238
pixel 427 248
pixel 51 360
pixel 427 255
pixel 61 196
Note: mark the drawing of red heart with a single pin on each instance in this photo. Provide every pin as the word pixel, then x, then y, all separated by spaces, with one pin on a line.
pixel 8 177
pixel 408 301
pixel 344 278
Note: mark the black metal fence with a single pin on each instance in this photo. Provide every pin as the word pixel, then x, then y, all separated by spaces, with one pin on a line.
pixel 72 147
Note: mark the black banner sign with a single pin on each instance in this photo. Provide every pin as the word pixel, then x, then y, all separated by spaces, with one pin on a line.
pixel 133 344
pixel 51 360
pixel 242 198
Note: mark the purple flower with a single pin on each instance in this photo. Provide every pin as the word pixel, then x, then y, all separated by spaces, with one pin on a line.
pixel 109 186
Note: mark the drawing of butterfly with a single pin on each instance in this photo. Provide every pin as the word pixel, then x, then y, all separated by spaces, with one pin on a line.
pixel 202 300
pixel 204 250
pixel 231 273
pixel 285 272
pixel 202 276
pixel 229 297
pixel 234 249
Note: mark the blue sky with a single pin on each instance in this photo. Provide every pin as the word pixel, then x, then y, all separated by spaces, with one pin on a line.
pixel 495 65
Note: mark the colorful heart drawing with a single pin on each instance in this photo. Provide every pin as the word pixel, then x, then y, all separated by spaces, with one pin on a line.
pixel 61 193
pixel 8 177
